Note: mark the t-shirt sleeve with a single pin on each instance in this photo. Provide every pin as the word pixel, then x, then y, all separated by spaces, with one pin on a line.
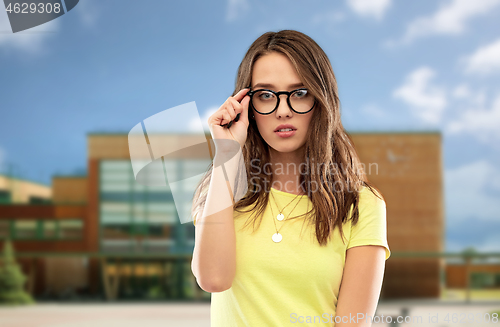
pixel 371 228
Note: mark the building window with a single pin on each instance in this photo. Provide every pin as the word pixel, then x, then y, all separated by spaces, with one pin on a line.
pixel 25 229
pixel 485 280
pixel 144 218
pixel 50 229
pixel 70 229
pixel 38 200
pixel 4 229
pixel 5 197
pixel 36 229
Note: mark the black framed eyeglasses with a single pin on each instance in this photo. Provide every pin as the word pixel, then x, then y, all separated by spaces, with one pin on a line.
pixel 266 101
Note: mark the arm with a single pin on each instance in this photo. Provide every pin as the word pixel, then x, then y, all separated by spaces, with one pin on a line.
pixel 361 284
pixel 214 255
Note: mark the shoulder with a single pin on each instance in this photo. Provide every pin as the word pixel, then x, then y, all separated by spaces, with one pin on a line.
pixel 371 206
pixel 371 227
pixel 369 199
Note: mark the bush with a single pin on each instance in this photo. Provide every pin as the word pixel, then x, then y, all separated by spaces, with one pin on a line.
pixel 12 279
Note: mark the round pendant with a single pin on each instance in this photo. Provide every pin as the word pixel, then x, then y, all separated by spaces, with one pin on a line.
pixel 280 217
pixel 277 237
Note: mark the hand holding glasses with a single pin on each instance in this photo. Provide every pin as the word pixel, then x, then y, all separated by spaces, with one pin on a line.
pixel 265 102
pixel 234 109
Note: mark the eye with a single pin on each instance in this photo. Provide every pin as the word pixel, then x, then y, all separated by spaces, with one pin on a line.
pixel 263 95
pixel 300 93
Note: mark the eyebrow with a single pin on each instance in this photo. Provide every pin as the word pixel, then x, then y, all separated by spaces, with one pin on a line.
pixel 268 85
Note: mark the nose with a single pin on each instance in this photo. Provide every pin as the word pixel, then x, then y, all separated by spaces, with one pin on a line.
pixel 283 107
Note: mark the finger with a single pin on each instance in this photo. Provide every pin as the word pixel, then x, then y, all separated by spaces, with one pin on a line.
pixel 229 107
pixel 225 119
pixel 240 110
pixel 238 96
pixel 235 105
pixel 219 118
pixel 244 112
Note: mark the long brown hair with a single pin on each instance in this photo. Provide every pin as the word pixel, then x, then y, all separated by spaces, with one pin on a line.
pixel 327 141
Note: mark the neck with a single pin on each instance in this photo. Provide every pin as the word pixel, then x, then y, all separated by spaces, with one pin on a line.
pixel 286 170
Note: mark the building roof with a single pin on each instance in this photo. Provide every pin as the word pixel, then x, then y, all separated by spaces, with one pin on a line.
pixel 20 179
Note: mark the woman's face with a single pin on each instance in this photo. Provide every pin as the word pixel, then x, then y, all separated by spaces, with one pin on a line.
pixel 274 71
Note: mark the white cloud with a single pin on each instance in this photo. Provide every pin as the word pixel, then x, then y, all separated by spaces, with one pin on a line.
pixel 482 123
pixel 450 19
pixel 464 94
pixel 466 192
pixel 370 8
pixel 426 101
pixel 193 124
pixel 462 91
pixel 236 9
pixel 485 60
pixel 31 40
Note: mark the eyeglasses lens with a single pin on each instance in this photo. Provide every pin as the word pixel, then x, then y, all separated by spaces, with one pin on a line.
pixel 265 101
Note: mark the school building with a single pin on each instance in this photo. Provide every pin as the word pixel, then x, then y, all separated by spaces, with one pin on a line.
pixel 105 234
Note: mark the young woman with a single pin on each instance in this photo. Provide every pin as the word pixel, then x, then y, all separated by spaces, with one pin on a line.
pixel 317 247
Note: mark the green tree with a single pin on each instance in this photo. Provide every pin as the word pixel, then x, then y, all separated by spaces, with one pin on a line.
pixel 469 251
pixel 12 279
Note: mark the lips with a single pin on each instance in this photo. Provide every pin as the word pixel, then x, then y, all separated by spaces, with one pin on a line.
pixel 285 126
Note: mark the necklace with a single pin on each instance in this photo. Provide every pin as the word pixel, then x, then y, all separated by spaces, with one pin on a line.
pixel 277 237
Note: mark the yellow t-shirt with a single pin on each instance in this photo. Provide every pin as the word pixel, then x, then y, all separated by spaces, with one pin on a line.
pixel 295 281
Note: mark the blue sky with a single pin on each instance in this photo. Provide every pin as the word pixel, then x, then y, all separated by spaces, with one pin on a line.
pixel 400 65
